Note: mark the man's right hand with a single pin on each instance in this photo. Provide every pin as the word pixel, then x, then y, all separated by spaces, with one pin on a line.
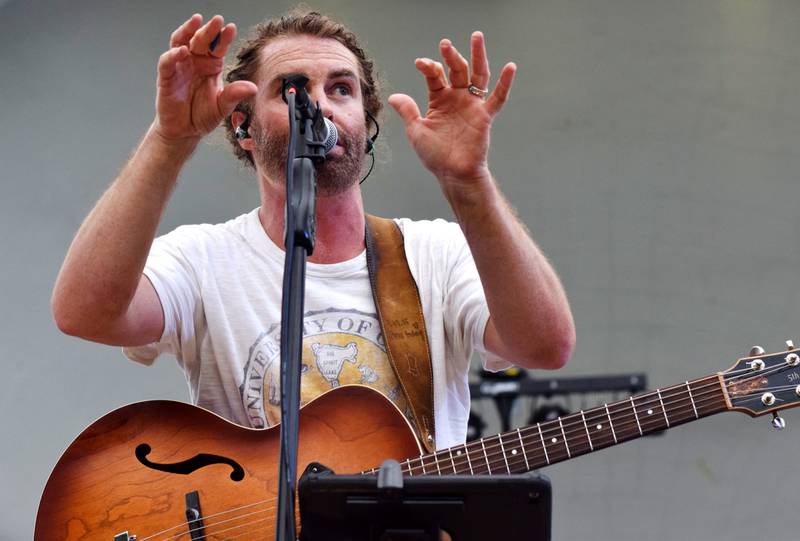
pixel 191 100
pixel 100 293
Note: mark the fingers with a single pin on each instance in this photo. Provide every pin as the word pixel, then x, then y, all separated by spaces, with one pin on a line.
pixel 480 62
pixel 168 62
pixel 499 95
pixel 460 76
pixel 406 107
pixel 200 42
pixel 214 38
pixel 433 72
pixel 459 67
pixel 219 45
pixel 184 32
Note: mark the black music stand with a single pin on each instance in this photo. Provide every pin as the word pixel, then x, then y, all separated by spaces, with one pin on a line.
pixel 391 507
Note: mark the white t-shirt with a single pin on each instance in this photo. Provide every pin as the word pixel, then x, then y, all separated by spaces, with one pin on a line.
pixel 220 289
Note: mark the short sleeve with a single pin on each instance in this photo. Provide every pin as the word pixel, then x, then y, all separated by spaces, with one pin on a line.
pixel 465 302
pixel 171 268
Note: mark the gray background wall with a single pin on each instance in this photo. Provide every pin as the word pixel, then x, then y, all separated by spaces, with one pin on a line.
pixel 651 147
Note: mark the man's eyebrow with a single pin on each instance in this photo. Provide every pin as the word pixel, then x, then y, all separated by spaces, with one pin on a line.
pixel 335 74
pixel 281 76
pixel 342 73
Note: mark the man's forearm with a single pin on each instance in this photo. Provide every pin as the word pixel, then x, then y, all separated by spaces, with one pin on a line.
pixel 103 266
pixel 529 309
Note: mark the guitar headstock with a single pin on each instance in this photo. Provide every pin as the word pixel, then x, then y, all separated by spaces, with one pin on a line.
pixel 765 383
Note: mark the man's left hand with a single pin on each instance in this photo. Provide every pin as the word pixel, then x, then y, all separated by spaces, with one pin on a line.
pixel 452 139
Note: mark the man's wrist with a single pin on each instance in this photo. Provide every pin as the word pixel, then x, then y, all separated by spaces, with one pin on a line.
pixel 470 195
pixel 179 148
pixel 157 161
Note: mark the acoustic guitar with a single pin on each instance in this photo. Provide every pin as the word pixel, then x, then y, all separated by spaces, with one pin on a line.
pixel 163 470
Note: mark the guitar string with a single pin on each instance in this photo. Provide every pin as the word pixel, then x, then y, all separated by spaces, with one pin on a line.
pixel 654 399
pixel 595 414
pixel 532 433
pixel 623 431
pixel 599 414
pixel 753 374
pixel 266 519
pixel 791 386
pixel 758 395
pixel 410 467
pixel 744 371
pixel 645 401
pixel 651 396
pixel 259 521
pixel 263 521
pixel 206 517
pixel 550 429
pixel 216 533
pixel 239 517
pixel 559 453
pixel 633 410
pixel 206 527
pixel 593 418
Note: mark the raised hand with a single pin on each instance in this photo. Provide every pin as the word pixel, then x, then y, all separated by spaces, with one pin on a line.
pixel 452 139
pixel 191 99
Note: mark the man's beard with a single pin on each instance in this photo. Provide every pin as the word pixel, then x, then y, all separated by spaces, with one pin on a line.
pixel 334 175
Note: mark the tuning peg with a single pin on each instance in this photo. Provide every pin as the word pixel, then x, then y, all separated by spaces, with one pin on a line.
pixel 778 422
pixel 790 345
pixel 756 350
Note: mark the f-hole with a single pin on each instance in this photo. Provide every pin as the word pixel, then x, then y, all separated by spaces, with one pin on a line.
pixel 191 465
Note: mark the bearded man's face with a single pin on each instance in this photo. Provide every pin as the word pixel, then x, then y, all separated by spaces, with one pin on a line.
pixel 333 74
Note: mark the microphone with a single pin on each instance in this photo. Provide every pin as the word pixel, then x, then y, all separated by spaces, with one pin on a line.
pixel 332 137
pixel 296 84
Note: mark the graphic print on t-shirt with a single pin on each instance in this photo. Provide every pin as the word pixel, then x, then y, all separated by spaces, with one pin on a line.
pixel 330 359
pixel 340 347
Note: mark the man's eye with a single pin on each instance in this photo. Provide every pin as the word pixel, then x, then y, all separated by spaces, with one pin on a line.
pixel 342 90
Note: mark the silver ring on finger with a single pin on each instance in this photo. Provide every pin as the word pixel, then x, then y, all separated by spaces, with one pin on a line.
pixel 480 92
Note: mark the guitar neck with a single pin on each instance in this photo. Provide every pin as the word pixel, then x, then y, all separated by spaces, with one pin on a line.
pixel 540 445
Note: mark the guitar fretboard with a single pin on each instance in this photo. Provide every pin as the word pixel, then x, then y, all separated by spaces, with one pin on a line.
pixel 540 445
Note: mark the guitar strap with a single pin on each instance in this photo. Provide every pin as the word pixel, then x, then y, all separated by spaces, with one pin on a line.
pixel 402 321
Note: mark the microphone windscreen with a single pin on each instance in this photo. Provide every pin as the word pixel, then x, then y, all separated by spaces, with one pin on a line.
pixel 333 136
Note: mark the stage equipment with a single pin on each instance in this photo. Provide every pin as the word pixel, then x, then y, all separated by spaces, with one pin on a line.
pixel 505 387
pixel 389 506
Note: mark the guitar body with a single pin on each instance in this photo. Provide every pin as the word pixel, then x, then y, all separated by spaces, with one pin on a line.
pixel 131 470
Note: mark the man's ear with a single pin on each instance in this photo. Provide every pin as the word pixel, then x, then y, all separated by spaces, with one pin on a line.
pixel 240 120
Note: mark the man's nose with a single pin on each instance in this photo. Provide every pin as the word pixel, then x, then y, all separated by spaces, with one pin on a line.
pixel 319 97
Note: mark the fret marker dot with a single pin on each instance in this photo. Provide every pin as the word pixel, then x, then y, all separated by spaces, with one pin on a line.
pixel 554 440
pixel 458 453
pixel 513 451
pixel 599 427
pixel 649 412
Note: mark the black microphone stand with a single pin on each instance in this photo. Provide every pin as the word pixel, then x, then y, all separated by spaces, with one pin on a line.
pixel 307 133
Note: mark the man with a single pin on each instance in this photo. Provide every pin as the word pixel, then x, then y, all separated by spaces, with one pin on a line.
pixel 210 295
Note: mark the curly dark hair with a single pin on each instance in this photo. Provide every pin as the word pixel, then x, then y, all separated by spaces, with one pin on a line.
pixel 300 21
